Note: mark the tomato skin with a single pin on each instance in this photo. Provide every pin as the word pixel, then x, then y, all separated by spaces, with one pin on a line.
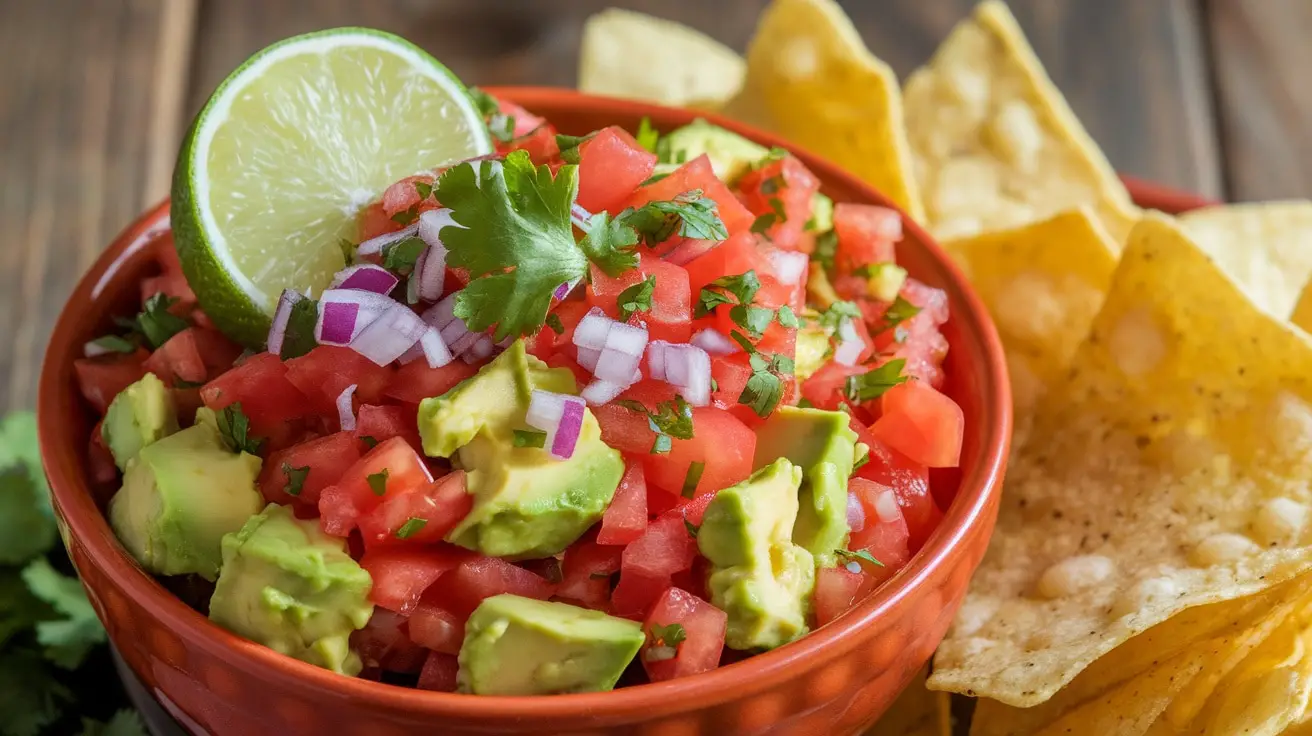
pixel 324 372
pixel 385 422
pixel 462 589
pixel 788 181
pixel 374 221
pixel 921 423
pixel 343 504
pixel 694 510
pixel 731 373
pixel 402 574
pixel 647 565
pixel 923 345
pixel 627 430
pixel 439 673
pixel 434 627
pixel 720 441
pixel 328 458
pixel 260 384
pixel 402 195
pixel 908 479
pixel 626 517
pixel 866 235
pixel 100 459
pixel 887 541
pixel 100 379
pixel 704 626
pixel 415 381
pixel 825 388
pixel 178 359
pixel 440 505
pixel 836 589
pixel 611 166
pixel 737 255
pixel 383 644
pixel 540 143
pixel 586 570
pixel 670 317
pixel 697 174
pixel 525 121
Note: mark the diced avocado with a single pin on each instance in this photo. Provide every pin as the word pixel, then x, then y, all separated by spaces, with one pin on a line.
pixel 521 646
pixel 526 503
pixel 759 577
pixel 141 414
pixel 287 585
pixel 731 155
pixel 823 445
pixel 885 281
pixel 206 417
pixel 179 497
pixel 822 214
pixel 819 290
pixel 812 350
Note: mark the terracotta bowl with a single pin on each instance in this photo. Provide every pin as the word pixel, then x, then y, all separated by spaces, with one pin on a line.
pixel 837 680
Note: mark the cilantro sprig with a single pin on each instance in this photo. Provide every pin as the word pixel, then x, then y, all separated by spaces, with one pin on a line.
pixel 295 478
pixel 875 382
pixel 765 388
pixel 858 557
pixel 234 428
pixel 153 326
pixel 671 419
pixel 690 214
pixel 671 635
pixel 898 312
pixel 636 298
pixel 502 127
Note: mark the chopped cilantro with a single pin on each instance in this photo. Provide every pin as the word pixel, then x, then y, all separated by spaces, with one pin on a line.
pixel 402 255
pixel 671 419
pixel 530 438
pixel 369 441
pixel 860 555
pixel 662 444
pixel 694 476
pixel 115 344
pixel 773 184
pixel 636 298
pixel 299 337
pixel 156 322
pixel 553 321
pixel 787 318
pixel 671 636
pixel 826 245
pixel 898 312
pixel 295 478
pixel 742 287
pixel 234 428
pixel 569 146
pixel 805 403
pixel 502 127
pixel 406 216
pixel 873 383
pixel 609 244
pixel 424 189
pixel 647 136
pixel 487 104
pixel 411 527
pixel 690 215
pixel 378 481
pixel 692 530
pixel 765 387
pixel 654 178
pixel 69 636
pixel 753 320
pixel 775 216
pixel 183 383
pixel 832 318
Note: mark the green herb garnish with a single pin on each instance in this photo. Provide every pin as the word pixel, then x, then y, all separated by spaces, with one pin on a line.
pixel 295 478
pixel 115 344
pixel 234 429
pixel 690 215
pixel 636 298
pixel 671 636
pixel 411 527
pixel 787 318
pixel 156 322
pixel 378 482
pixel 530 438
pixel 898 312
pixel 369 441
pixel 694 476
pixel 860 555
pixel 742 287
pixel 692 530
pixel 873 383
pixel 401 256
pixel 647 136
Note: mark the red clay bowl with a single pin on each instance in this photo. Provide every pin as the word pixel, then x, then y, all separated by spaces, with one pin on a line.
pixel 836 680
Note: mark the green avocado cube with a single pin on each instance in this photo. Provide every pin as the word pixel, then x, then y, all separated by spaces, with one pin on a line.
pixel 139 415
pixel 823 444
pixel 520 646
pixel 287 585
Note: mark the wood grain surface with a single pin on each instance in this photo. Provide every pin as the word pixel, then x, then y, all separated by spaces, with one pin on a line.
pixel 1206 95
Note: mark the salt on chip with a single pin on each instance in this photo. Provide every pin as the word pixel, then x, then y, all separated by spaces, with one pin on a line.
pixel 637 56
pixel 916 712
pixel 811 79
pixel 995 143
pixel 1043 283
pixel 1175 457
pixel 1265 246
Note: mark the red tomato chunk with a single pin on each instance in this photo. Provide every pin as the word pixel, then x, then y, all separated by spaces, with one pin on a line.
pixel 703 625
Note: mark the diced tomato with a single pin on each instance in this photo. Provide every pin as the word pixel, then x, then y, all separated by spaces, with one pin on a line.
pixel 100 379
pixel 697 174
pixel 921 423
pixel 267 398
pixel 788 182
pixel 921 344
pixel 627 430
pixel 438 506
pixel 217 352
pixel 721 442
pixel 439 673
pixel 825 388
pixel 374 221
pixel 100 459
pixel 647 565
pixel 171 282
pixel 462 589
pixel 887 540
pixel 660 501
pixel 908 479
pixel 178 359
pixel 735 256
pixel 327 459
pixel 866 234
pixel 671 314
pixel 324 372
pixel 586 570
pixel 571 313
pixel 703 627
pixel 540 143
pixel 696 508
pixel 524 121
pixel 415 381
pixel 383 644
pixel 611 166
pixel 836 589
pixel 388 421
pixel 404 195
pixel 626 517
pixel 433 627
pixel 344 503
pixel 694 579
pixel 402 574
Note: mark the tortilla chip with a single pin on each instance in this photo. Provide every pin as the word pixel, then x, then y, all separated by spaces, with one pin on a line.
pixel 1266 247
pixel 1266 694
pixel 994 142
pixel 916 712
pixel 628 54
pixel 811 79
pixel 1171 470
pixel 1043 283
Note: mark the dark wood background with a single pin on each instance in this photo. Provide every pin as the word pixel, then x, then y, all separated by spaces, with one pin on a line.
pixel 1207 95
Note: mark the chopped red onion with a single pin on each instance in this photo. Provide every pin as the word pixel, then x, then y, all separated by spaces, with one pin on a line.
pixel 886 506
pixel 434 348
pixel 587 358
pixel 563 290
pixel 850 345
pixel 592 329
pixel 278 330
pixel 368 307
pixel 579 217
pixel 375 245
pixel 544 409
pixel 338 323
pixel 714 342
pixel 390 336
pixel 412 283
pixel 92 350
pixel 432 275
pixel 856 513
pixel 567 432
pixel 622 354
pixel 440 315
pixel 600 392
pixel 560 416
pixel 365 277
pixel 480 349
pixel 789 266
pixel 686 367
pixel 346 409
pixel 431 224
pixel 890 226
pixel 656 359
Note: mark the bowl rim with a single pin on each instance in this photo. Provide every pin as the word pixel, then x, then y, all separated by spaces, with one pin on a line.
pixel 979 485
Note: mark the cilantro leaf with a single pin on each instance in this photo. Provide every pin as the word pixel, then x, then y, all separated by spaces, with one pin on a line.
pixel 860 555
pixel 694 476
pixel 862 452
pixel 826 246
pixel 673 418
pixel 609 244
pixel 516 240
pixel 411 527
pixel 647 136
pixel 636 298
pixel 553 321
pixel 898 312
pixel 691 215
pixel 30 696
pixel 776 215
pixel 19 609
pixel 832 318
pixel 424 189
pixel 742 287
pixel 765 387
pixel 26 527
pixel 787 318
pixel 569 146
pixel 299 338
pixel 295 478
pixel 122 723
pixel 662 444
pixel 156 322
pixel 692 530
pixel 502 127
pixel 671 635
pixel 67 640
pixel 406 216
pixel 402 255
pixel 487 104
pixel 753 320
pixel 115 344
pixel 378 481
pixel 873 383
pixel 530 438
pixel 234 428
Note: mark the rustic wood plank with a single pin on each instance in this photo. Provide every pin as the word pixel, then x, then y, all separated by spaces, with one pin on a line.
pixel 1261 58
pixel 74 116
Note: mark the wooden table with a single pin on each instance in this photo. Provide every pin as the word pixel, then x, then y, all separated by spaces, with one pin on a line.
pixel 1199 94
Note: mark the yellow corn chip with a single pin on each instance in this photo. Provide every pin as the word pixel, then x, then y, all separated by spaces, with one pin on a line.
pixel 1043 283
pixel 1266 247
pixel 628 54
pixel 995 144
pixel 916 712
pixel 811 79
pixel 1266 694
pixel 1170 471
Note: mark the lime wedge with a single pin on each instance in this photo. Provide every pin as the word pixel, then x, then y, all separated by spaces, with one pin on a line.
pixel 288 150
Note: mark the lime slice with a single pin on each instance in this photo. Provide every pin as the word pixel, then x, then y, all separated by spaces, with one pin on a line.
pixel 289 149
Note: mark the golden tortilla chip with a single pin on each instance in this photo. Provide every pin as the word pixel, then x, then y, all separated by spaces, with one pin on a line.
pixel 811 79
pixel 1170 471
pixel 916 712
pixel 994 142
pixel 1266 694
pixel 628 54
pixel 1265 246
pixel 1043 283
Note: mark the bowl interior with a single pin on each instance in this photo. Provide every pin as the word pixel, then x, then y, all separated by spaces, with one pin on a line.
pixel 976 379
